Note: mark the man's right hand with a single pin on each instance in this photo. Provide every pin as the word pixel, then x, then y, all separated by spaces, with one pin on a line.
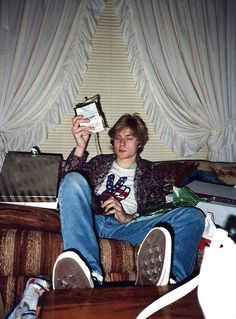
pixel 81 134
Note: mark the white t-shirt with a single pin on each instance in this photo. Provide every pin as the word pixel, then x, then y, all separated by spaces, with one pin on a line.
pixel 120 183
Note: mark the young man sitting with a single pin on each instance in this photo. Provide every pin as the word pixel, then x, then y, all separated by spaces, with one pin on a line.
pixel 126 186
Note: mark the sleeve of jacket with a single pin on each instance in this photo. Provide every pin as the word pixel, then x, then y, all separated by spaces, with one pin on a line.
pixel 74 163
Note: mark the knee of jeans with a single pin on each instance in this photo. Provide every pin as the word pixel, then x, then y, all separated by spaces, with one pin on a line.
pixel 74 180
pixel 201 217
pixel 194 215
pixel 198 217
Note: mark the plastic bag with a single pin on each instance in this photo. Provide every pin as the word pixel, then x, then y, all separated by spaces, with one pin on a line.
pixel 216 282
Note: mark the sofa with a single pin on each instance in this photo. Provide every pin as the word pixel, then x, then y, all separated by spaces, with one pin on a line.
pixel 30 238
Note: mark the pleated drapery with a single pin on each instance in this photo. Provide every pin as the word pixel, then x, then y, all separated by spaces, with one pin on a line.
pixel 182 57
pixel 45 45
pixel 181 54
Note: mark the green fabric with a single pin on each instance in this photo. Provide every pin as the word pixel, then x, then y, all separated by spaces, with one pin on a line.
pixel 184 196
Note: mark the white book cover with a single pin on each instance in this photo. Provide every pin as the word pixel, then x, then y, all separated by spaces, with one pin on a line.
pixel 91 109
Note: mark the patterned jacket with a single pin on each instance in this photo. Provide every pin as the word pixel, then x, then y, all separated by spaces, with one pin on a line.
pixel 148 187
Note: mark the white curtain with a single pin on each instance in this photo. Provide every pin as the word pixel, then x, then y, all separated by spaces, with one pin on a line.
pixel 182 57
pixel 44 48
pixel 181 52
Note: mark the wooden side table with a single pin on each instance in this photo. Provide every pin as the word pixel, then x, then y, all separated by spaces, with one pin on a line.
pixel 115 303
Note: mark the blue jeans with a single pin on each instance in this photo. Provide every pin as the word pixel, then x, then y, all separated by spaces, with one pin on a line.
pixel 81 227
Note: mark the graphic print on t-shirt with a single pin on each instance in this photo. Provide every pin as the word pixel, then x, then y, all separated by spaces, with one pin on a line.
pixel 118 190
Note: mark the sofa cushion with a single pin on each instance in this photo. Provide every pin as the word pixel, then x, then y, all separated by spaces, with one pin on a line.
pixel 172 173
pixel 27 253
pixel 226 171
pixel 31 253
pixel 27 230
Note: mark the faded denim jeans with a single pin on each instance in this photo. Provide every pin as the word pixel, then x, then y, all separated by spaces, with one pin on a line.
pixel 81 227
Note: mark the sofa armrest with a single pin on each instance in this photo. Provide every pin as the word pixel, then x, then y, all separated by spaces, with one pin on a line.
pixel 29 218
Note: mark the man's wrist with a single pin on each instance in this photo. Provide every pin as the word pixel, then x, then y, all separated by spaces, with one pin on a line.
pixel 135 215
pixel 78 151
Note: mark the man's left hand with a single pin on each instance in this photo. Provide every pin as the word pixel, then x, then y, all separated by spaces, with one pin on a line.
pixel 114 207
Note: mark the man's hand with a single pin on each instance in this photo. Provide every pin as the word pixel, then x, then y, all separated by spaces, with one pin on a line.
pixel 81 134
pixel 113 207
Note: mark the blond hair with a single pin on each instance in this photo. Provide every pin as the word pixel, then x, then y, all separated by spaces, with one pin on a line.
pixel 136 124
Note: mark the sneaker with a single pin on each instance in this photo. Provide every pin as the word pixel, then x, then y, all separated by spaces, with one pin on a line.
pixel 154 258
pixel 70 272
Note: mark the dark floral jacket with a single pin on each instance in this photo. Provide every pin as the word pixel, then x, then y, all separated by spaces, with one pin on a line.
pixel 148 186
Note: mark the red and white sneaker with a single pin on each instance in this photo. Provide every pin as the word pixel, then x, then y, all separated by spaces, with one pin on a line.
pixel 27 307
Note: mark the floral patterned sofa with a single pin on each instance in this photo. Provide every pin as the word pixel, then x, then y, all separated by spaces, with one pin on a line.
pixel 30 238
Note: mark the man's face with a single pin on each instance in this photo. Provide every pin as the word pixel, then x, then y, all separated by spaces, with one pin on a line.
pixel 126 145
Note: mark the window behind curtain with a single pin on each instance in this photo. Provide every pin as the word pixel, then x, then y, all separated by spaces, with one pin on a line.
pixel 109 75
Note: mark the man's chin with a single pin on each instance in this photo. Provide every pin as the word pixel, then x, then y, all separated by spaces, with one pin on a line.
pixel 122 155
